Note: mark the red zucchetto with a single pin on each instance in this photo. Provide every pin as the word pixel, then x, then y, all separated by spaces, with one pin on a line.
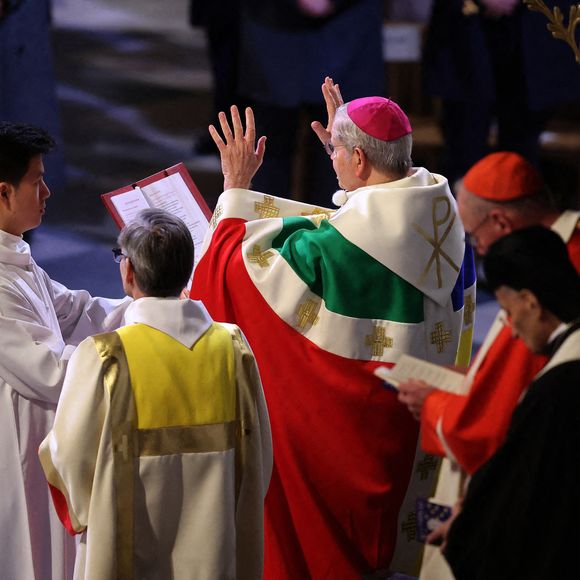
pixel 503 176
pixel 379 117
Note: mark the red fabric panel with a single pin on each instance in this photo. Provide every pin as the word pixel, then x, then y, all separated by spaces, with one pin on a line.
pixel 476 425
pixel 433 408
pixel 61 508
pixel 343 445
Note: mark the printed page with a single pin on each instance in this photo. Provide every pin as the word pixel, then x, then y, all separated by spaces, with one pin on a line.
pixel 410 367
pixel 129 204
pixel 172 194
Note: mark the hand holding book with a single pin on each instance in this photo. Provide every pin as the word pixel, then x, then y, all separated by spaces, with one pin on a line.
pixel 413 394
pixel 172 190
pixel 415 379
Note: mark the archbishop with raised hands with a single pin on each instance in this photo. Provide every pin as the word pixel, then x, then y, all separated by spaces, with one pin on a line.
pixel 324 296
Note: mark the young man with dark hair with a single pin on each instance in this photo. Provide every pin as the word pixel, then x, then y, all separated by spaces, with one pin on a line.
pixel 520 515
pixel 160 455
pixel 41 322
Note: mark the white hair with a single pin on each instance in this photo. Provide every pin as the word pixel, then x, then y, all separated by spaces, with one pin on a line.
pixel 391 157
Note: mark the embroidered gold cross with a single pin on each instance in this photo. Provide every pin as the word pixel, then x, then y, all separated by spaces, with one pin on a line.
pixel 216 216
pixel 123 447
pixel 426 465
pixel 320 215
pixel 468 310
pixel 437 242
pixel 409 526
pixel 439 337
pixel 307 313
pixel 256 256
pixel 238 337
pixel 266 209
pixel 378 340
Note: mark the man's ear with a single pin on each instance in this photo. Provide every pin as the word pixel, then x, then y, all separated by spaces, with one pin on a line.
pixel 6 192
pixel 129 272
pixel 531 300
pixel 363 167
pixel 501 221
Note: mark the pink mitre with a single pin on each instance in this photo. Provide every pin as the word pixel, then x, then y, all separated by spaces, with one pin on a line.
pixel 379 117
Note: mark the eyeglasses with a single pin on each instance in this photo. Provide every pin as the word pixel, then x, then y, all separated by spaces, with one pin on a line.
pixel 472 235
pixel 118 255
pixel 330 148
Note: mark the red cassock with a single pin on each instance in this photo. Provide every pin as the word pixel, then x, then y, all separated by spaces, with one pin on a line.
pixel 474 426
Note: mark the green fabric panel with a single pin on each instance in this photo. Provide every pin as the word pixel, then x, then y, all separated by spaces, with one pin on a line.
pixel 291 225
pixel 350 282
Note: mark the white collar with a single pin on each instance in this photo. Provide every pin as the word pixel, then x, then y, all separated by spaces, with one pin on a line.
pixel 418 176
pixel 562 327
pixel 183 320
pixel 14 250
pixel 566 223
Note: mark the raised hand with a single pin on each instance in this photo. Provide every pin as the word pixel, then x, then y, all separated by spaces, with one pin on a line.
pixel 333 100
pixel 240 156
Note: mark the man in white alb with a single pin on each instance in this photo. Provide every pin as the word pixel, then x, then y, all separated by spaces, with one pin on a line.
pixel 41 322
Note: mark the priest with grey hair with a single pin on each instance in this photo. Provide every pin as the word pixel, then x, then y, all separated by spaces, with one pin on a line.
pixel 160 454
pixel 324 297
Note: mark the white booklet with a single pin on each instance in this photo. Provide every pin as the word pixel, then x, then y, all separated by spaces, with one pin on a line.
pixel 410 367
pixel 172 190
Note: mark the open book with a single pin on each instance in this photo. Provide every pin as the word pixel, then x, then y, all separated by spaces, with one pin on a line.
pixel 172 190
pixel 410 367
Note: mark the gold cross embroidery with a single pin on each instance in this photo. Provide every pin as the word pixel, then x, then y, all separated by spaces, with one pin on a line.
pixel 216 216
pixel 307 313
pixel 439 337
pixel 256 256
pixel 320 215
pixel 123 447
pixel 426 465
pixel 266 209
pixel 409 526
pixel 468 310
pixel 378 340
pixel 437 243
pixel 238 337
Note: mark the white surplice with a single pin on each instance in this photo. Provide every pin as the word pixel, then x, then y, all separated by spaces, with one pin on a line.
pixel 41 322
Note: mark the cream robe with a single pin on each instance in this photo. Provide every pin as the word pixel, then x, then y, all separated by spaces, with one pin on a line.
pixel 204 534
pixel 41 321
